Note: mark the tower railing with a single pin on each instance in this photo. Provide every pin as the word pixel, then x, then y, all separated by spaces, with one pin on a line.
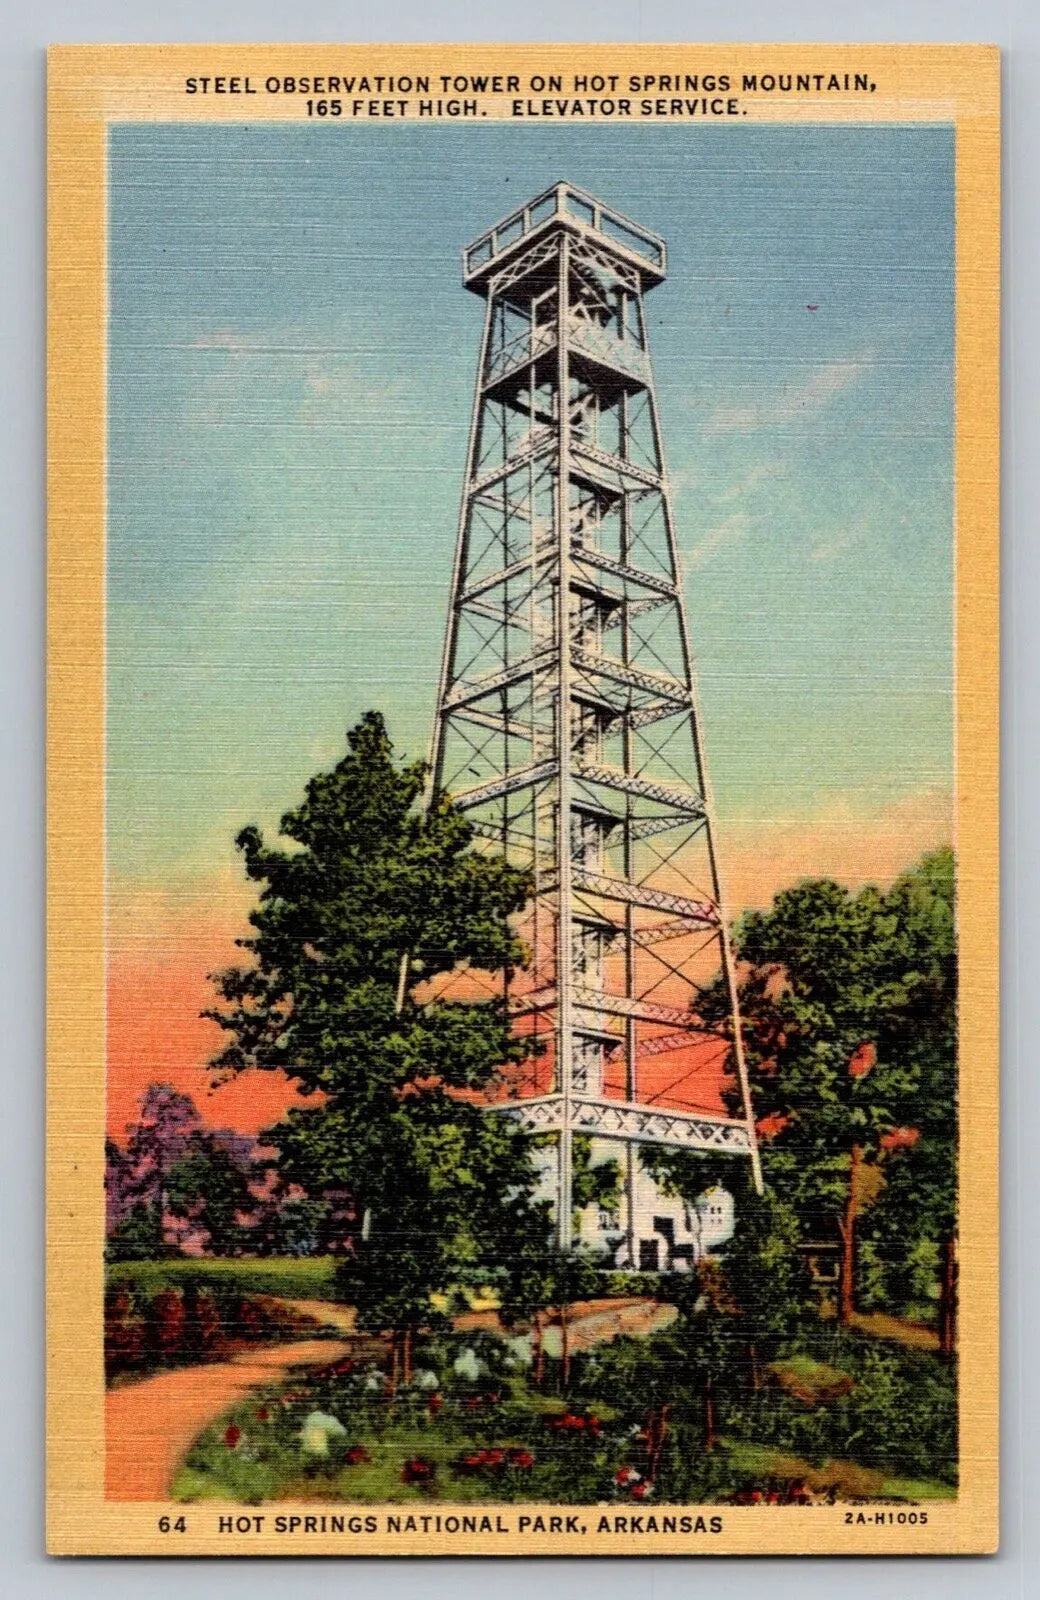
pixel 576 207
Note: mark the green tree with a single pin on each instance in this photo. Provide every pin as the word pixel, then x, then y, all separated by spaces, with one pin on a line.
pixel 174 1170
pixel 850 1023
pixel 374 898
pixel 757 1273
pixel 133 1238
pixel 593 1182
pixel 211 1189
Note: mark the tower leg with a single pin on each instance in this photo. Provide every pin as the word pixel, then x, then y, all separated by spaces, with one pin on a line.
pixel 631 1160
pixel 564 1199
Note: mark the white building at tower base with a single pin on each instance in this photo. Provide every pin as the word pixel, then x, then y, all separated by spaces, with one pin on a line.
pixel 670 1234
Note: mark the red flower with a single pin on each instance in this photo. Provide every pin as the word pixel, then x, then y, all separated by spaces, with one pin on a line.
pixel 434 1403
pixel 518 1457
pixel 417 1470
pixel 641 1490
pixel 773 1123
pixel 356 1454
pixel 899 1138
pixel 493 1458
pixel 862 1060
pixel 567 1423
pixel 232 1435
pixel 624 1477
pixel 262 1414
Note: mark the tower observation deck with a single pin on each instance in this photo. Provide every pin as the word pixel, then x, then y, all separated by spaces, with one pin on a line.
pixel 568 725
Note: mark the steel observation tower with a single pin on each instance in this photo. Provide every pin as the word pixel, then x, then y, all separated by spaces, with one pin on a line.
pixel 568 725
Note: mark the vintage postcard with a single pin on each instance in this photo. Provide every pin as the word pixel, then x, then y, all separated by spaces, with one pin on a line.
pixel 523 966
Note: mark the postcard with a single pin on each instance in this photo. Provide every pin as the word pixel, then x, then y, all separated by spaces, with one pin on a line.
pixel 523 671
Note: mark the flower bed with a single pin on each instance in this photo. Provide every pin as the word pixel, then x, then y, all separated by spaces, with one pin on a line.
pixel 469 1426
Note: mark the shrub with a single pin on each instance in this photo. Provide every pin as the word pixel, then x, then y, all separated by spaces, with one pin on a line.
pixel 173 1326
pixel 124 1332
pixel 166 1322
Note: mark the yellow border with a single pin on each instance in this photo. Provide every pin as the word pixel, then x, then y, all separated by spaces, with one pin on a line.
pixel 91 85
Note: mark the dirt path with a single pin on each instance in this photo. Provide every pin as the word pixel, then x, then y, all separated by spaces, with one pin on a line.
pixel 912 1334
pixel 326 1312
pixel 601 1323
pixel 149 1426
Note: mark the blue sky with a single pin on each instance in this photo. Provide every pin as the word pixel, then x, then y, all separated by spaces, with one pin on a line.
pixel 291 367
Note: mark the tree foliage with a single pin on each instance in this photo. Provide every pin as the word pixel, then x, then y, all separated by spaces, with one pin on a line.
pixel 373 897
pixel 849 1003
pixel 176 1179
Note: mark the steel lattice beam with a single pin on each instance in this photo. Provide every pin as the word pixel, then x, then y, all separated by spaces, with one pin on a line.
pixel 509 783
pixel 665 794
pixel 622 569
pixel 704 912
pixel 632 677
pixel 617 1119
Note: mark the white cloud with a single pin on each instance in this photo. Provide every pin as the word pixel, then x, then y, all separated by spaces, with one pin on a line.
pixel 336 381
pixel 792 402
pixel 730 531
pixel 226 339
pixel 761 472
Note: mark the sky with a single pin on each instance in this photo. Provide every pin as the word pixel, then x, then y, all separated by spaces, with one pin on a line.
pixel 291 368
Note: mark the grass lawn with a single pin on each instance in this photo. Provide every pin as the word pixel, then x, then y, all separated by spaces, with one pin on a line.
pixel 253 1454
pixel 814 1382
pixel 849 1479
pixel 293 1277
pixel 270 1465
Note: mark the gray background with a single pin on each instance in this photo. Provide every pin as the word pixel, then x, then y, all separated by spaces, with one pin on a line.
pixel 25 29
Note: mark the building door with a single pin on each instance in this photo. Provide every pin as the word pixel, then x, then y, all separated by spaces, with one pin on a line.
pixel 649 1256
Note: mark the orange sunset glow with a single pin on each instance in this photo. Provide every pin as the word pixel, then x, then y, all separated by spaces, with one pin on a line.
pixel 162 946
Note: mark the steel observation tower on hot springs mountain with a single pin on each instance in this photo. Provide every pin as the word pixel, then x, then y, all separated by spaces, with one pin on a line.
pixel 568 725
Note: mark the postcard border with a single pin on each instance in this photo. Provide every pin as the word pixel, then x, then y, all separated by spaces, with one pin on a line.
pixel 92 85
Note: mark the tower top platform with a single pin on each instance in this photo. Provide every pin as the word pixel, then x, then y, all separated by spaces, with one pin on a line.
pixel 563 208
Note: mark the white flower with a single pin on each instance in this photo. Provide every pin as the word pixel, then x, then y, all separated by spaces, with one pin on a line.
pixel 521 1353
pixel 318 1428
pixel 423 1378
pixel 467 1365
